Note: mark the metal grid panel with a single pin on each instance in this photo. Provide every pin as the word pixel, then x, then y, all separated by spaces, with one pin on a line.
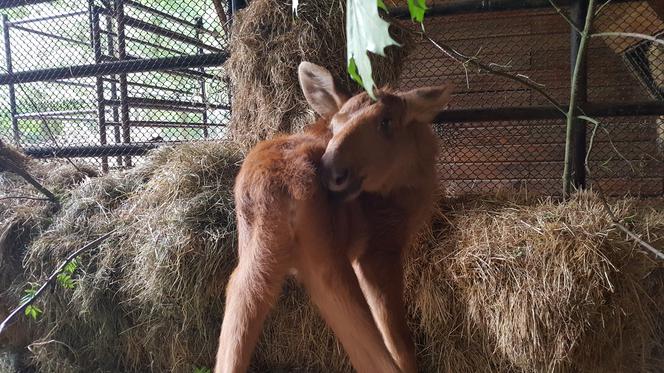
pixel 107 111
pixel 528 154
pixel 189 102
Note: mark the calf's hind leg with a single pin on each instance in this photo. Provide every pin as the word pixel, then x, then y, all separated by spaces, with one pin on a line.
pixel 252 291
pixel 380 274
pixel 333 287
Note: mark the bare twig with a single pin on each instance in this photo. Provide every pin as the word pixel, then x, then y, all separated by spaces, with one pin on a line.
pixel 565 16
pixel 601 7
pixel 633 35
pixel 572 110
pixel 464 59
pixel 616 222
pixel 24 197
pixel 52 277
pixel 10 166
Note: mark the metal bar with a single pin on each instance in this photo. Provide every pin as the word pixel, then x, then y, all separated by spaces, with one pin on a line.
pixel 101 108
pixel 170 17
pixel 145 85
pixel 74 84
pixel 653 108
pixel 15 3
pixel 90 151
pixel 158 30
pixel 180 72
pixel 158 13
pixel 165 124
pixel 578 11
pixel 199 23
pixel 12 90
pixel 53 114
pixel 111 68
pixel 156 103
pixel 52 36
pixel 122 55
pixel 110 45
pixel 47 18
pixel 146 43
pixel 456 7
pixel 58 118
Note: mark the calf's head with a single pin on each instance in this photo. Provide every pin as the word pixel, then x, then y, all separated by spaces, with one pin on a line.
pixel 376 145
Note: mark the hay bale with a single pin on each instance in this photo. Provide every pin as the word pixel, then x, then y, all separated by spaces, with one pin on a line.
pixel 24 219
pixel 268 43
pixel 150 298
pixel 555 287
pixel 492 285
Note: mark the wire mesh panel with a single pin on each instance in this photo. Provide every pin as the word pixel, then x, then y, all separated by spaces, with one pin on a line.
pixel 626 152
pixel 111 77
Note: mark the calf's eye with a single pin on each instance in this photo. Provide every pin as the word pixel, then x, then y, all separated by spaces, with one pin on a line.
pixel 385 125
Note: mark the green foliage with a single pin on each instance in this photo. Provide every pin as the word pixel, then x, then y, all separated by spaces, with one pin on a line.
pixel 366 32
pixel 65 278
pixel 417 8
pixel 202 370
pixel 31 310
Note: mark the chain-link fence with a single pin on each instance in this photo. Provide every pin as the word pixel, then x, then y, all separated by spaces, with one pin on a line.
pixel 525 148
pixel 109 79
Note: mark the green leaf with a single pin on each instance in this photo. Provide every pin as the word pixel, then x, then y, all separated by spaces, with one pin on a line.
pixel 202 370
pixel 66 281
pixel 366 32
pixel 28 294
pixel 352 70
pixel 381 5
pixel 417 8
pixel 33 312
pixel 71 267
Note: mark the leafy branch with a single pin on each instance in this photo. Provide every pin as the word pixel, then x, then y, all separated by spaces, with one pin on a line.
pixel 67 267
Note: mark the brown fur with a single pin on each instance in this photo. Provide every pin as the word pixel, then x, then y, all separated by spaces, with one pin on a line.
pixel 346 251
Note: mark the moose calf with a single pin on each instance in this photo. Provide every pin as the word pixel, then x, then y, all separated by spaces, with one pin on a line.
pixel 336 206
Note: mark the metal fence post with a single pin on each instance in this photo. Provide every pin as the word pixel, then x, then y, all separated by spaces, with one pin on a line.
pixel 12 92
pixel 110 45
pixel 124 95
pixel 578 10
pixel 199 24
pixel 101 107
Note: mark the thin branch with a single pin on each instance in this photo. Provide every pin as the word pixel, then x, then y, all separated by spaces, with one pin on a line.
pixel 629 35
pixel 464 59
pixel 565 16
pixel 616 222
pixel 571 113
pixel 601 7
pixel 6 164
pixel 24 197
pixel 52 277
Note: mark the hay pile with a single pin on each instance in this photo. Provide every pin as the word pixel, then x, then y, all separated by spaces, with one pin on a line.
pixel 492 285
pixel 267 44
pixel 25 218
